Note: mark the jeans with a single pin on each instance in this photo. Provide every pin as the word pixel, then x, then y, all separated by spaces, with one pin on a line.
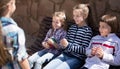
pixel 64 62
pixel 32 59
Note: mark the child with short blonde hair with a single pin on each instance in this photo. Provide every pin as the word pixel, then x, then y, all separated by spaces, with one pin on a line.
pixel 51 41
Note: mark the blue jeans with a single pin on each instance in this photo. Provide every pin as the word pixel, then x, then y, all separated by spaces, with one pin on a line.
pixel 64 62
pixel 32 59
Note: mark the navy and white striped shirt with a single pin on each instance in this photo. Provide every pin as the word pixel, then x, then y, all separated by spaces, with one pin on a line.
pixel 78 38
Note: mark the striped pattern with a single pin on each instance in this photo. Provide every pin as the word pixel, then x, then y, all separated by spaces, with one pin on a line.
pixel 78 38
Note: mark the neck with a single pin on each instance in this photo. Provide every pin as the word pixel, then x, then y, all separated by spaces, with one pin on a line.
pixel 7 14
pixel 82 24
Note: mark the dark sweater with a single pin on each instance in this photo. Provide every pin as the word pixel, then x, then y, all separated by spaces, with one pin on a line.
pixel 78 38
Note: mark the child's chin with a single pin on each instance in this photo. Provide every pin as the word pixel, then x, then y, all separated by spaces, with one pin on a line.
pixel 103 35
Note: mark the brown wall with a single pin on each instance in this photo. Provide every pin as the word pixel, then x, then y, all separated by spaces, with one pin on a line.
pixel 33 15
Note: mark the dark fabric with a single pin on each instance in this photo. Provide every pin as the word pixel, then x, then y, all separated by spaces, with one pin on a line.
pixel 78 38
pixel 114 67
pixel 83 68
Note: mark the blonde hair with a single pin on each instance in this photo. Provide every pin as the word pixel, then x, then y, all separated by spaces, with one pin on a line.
pixel 84 9
pixel 62 16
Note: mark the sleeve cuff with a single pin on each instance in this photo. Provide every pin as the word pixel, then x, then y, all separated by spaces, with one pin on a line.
pixel 107 57
pixel 88 52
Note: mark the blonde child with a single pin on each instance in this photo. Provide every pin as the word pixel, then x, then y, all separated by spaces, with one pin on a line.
pixel 77 39
pixel 51 42
pixel 11 29
pixel 104 47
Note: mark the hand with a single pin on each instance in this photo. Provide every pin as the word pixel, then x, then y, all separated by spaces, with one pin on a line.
pixel 50 41
pixel 45 45
pixel 64 42
pixel 93 51
pixel 99 52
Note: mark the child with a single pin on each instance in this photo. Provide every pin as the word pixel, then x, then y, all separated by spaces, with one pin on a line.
pixel 11 29
pixel 51 42
pixel 5 56
pixel 77 39
pixel 104 46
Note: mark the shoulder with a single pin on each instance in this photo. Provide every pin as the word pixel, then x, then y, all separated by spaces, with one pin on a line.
pixel 50 30
pixel 74 25
pixel 87 28
pixel 115 38
pixel 96 37
pixel 61 30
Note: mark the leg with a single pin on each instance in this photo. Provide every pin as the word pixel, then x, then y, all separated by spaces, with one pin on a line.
pixel 32 59
pixel 24 64
pixel 55 62
pixel 45 58
pixel 71 63
pixel 64 65
pixel 23 60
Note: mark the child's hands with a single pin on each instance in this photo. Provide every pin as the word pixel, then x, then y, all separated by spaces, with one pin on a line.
pixel 50 41
pixel 64 42
pixel 93 51
pixel 99 52
pixel 45 44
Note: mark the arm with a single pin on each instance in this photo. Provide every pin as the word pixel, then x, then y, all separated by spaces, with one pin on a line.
pixel 47 35
pixel 56 41
pixel 89 51
pixel 45 43
pixel 74 47
pixel 21 44
pixel 112 59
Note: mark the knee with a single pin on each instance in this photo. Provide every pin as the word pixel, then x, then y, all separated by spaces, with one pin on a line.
pixel 39 61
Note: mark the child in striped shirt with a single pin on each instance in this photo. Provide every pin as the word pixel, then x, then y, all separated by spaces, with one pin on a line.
pixel 77 39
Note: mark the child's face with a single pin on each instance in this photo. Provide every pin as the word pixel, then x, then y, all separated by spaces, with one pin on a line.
pixel 56 22
pixel 104 29
pixel 12 6
pixel 77 16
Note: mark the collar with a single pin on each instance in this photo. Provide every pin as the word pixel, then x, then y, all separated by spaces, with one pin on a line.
pixel 8 20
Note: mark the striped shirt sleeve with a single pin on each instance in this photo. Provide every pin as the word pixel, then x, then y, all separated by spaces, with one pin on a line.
pixel 80 40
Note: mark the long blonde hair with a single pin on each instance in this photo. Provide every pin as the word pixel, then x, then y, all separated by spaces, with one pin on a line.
pixel 84 9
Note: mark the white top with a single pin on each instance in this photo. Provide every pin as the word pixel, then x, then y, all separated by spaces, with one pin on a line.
pixel 110 46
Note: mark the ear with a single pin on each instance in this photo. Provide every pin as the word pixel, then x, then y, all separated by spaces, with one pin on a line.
pixel 8 7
